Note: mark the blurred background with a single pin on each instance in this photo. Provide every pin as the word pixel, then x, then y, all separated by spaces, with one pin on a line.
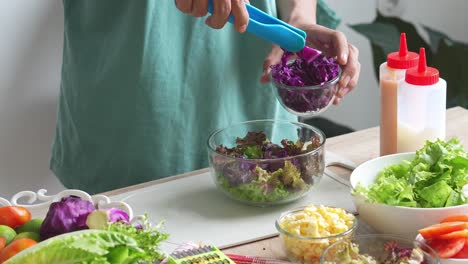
pixel 30 63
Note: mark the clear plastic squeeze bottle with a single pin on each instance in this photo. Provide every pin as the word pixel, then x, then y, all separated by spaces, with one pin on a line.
pixel 391 76
pixel 421 107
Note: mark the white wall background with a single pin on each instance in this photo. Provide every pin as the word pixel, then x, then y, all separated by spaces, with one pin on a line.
pixel 31 34
pixel 30 58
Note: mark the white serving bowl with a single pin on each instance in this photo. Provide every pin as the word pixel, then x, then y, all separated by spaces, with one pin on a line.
pixel 444 261
pixel 396 220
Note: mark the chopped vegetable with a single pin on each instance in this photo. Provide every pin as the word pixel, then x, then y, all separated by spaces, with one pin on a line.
pixel 441 229
pixel 101 218
pixel 447 248
pixel 67 215
pixel 455 234
pixel 455 218
pixel 305 70
pixel 309 69
pixel 434 178
pixel 261 171
pixel 463 253
pixel 449 239
pixel 308 54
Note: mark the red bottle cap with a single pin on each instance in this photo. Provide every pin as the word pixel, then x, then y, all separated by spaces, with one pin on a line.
pixel 402 59
pixel 422 75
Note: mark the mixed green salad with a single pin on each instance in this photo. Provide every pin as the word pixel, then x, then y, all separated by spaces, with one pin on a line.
pixel 260 171
pixel 391 253
pixel 436 177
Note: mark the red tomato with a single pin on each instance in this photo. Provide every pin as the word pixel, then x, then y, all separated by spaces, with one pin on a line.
pixel 2 243
pixel 455 218
pixel 15 247
pixel 437 230
pixel 456 234
pixel 447 248
pixel 463 253
pixel 14 216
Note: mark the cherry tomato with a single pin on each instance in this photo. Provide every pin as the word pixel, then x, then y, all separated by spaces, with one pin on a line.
pixel 447 248
pixel 437 230
pixel 463 253
pixel 2 243
pixel 455 218
pixel 15 247
pixel 14 216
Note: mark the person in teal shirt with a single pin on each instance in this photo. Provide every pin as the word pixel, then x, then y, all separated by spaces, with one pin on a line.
pixel 143 84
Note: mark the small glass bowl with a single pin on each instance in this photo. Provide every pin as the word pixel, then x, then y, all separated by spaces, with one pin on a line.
pixel 239 178
pixel 374 246
pixel 307 101
pixel 308 250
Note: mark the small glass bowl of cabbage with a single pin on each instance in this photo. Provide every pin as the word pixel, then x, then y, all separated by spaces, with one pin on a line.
pixel 379 248
pixel 266 162
pixel 306 88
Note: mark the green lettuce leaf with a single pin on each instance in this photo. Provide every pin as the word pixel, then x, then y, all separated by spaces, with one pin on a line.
pixel 434 178
pixel 292 176
pixel 435 195
pixel 88 246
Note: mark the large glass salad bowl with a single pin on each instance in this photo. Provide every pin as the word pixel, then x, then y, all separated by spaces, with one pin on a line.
pixel 266 162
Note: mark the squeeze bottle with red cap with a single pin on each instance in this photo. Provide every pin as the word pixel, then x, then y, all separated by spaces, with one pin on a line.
pixel 391 76
pixel 421 107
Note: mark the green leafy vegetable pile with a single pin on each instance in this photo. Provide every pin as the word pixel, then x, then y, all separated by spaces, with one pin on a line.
pixel 434 178
pixel 263 172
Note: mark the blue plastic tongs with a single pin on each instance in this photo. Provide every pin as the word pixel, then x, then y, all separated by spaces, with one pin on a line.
pixel 272 29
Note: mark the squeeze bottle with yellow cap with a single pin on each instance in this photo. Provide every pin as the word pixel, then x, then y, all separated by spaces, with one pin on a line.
pixel 421 107
pixel 391 76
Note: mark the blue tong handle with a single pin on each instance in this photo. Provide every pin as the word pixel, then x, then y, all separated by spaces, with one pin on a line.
pixel 272 29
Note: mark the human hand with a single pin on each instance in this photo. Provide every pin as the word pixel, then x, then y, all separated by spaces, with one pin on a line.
pixel 221 11
pixel 332 43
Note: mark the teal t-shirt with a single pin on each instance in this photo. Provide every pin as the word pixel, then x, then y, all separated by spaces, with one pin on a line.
pixel 142 87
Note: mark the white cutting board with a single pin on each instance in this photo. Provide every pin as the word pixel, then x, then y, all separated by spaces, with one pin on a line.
pixel 194 210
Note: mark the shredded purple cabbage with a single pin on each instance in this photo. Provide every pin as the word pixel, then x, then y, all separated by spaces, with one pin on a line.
pixel 310 68
pixel 256 145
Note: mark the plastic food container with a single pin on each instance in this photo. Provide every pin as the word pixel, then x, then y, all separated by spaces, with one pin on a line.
pixel 379 249
pixel 249 180
pixel 309 248
pixel 307 101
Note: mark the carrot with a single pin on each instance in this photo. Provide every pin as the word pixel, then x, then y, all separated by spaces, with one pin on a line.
pixel 455 218
pixel 437 230
pixel 456 234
